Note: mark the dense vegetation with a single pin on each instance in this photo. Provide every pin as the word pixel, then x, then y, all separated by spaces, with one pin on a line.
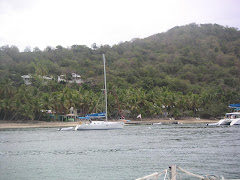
pixel 191 70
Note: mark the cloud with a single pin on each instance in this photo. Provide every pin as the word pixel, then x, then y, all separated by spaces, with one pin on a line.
pixel 66 22
pixel 7 6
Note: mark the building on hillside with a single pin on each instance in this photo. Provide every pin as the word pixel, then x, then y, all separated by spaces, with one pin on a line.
pixel 46 79
pixel 62 78
pixel 27 79
pixel 76 79
pixel 73 78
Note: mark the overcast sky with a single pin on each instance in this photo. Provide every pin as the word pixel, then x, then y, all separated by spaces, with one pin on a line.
pixel 42 23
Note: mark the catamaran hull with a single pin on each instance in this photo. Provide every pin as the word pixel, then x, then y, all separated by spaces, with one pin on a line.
pixel 231 119
pixel 222 122
pixel 235 122
pixel 100 125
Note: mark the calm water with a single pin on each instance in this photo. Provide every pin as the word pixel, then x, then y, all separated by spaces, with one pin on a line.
pixel 135 151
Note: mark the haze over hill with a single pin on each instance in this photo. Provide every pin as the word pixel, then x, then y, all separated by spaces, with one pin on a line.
pixel 44 23
pixel 197 63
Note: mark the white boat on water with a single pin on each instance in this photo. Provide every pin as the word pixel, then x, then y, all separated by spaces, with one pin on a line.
pixel 66 129
pixel 230 119
pixel 100 125
pixel 157 123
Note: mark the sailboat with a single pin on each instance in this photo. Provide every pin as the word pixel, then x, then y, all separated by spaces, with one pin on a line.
pixel 100 125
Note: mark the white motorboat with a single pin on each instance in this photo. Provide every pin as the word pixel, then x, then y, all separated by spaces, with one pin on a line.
pixel 100 125
pixel 230 119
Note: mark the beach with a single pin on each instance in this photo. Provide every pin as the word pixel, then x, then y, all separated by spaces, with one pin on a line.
pixel 44 124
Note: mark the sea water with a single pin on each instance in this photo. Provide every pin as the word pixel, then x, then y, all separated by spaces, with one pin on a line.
pixel 129 153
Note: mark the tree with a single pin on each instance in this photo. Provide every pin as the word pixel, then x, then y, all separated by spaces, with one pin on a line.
pixel 94 46
pixel 27 49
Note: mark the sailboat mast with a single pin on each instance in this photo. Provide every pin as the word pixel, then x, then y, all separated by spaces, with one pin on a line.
pixel 105 85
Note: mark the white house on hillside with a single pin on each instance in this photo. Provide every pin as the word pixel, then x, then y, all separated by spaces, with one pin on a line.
pixel 27 79
pixel 62 78
pixel 74 79
pixel 46 79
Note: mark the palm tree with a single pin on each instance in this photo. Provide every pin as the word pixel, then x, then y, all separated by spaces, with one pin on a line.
pixel 7 91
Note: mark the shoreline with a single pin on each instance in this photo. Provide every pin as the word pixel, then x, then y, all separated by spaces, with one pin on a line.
pixel 45 124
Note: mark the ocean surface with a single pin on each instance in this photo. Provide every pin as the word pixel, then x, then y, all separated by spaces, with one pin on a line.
pixel 129 153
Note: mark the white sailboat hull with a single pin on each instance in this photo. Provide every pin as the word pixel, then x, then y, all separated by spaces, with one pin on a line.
pixel 100 125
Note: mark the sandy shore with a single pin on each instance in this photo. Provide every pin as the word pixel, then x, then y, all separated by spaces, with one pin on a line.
pixel 184 121
pixel 35 124
pixel 42 124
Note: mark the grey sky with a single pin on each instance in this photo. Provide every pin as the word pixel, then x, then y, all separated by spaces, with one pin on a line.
pixel 41 23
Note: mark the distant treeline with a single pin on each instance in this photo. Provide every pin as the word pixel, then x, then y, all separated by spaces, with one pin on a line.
pixel 191 70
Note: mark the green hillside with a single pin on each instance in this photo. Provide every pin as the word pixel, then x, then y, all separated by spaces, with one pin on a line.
pixel 191 70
